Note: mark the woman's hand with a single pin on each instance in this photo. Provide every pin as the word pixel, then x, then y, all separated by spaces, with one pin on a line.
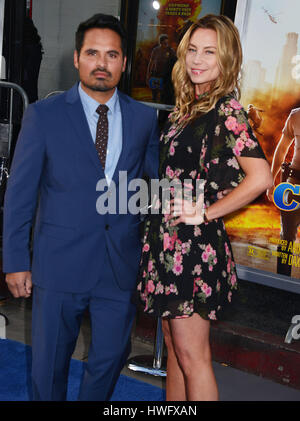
pixel 186 211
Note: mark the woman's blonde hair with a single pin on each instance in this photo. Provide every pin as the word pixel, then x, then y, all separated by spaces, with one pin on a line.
pixel 229 57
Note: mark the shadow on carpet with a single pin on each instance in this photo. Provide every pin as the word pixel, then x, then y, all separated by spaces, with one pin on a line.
pixel 15 368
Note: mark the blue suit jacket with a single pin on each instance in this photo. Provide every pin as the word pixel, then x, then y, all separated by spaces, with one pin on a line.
pixel 56 165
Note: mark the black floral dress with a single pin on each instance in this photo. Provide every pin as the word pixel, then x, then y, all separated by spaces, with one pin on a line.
pixel 190 268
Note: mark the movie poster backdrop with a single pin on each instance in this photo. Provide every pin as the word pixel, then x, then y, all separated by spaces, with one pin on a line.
pixel 160 27
pixel 265 234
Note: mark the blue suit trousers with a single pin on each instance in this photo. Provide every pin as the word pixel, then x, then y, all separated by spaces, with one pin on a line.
pixel 56 321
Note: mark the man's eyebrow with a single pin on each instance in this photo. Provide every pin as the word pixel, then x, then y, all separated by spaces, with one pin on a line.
pixel 90 50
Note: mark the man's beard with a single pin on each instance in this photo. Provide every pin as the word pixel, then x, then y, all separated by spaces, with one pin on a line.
pixel 98 86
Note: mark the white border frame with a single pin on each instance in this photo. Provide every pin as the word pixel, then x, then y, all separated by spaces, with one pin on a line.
pixel 241 17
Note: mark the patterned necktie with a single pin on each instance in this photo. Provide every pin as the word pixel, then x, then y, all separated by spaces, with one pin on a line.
pixel 102 133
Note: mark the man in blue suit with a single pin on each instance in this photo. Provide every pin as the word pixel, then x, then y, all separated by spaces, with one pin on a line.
pixel 81 259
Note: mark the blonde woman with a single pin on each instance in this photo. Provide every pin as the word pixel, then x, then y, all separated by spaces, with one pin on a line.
pixel 188 274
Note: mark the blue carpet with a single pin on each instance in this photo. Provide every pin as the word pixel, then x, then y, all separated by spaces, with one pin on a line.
pixel 15 367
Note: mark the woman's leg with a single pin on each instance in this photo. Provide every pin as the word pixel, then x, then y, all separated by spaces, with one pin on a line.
pixel 190 338
pixel 175 385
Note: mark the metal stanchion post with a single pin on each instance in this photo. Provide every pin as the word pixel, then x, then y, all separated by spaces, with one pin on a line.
pixel 154 365
pixel 2 327
pixel 149 364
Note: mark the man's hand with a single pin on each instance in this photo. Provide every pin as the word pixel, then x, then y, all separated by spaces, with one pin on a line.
pixel 19 284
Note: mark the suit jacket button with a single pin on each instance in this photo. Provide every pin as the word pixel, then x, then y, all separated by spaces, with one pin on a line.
pixel 107 227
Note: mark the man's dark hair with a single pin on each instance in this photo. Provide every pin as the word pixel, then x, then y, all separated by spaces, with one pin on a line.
pixel 162 38
pixel 103 22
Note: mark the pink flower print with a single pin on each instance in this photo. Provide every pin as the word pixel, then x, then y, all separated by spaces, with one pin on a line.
pixel 233 280
pixel 231 123
pixel 173 240
pixel 167 241
pixel 243 128
pixel 196 288
pixel 169 172
pixel 232 162
pixel 210 250
pixel 210 268
pixel 172 132
pixel 144 274
pixel 227 251
pixel 205 256
pixel 229 296
pixel 146 305
pixel 222 108
pixel 146 247
pixel 177 269
pixel 193 174
pixel 184 248
pixel 197 270
pixel 150 266
pixel 229 265
pixel 239 144
pixel 150 286
pixel 159 288
pixel 250 143
pixel 235 104
pixel 139 287
pixel 206 289
pixel 173 289
pixel 236 151
pixel 177 173
pixel 212 315
pixel 197 231
pixel 203 152
pixel 244 136
pixel 198 281
pixel 215 260
pixel 167 290
pixel 172 149
pixel 178 258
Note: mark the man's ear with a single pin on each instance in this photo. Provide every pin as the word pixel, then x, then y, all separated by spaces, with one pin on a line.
pixel 76 59
pixel 124 64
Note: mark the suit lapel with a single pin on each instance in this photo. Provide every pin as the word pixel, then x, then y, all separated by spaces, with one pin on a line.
pixel 79 122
